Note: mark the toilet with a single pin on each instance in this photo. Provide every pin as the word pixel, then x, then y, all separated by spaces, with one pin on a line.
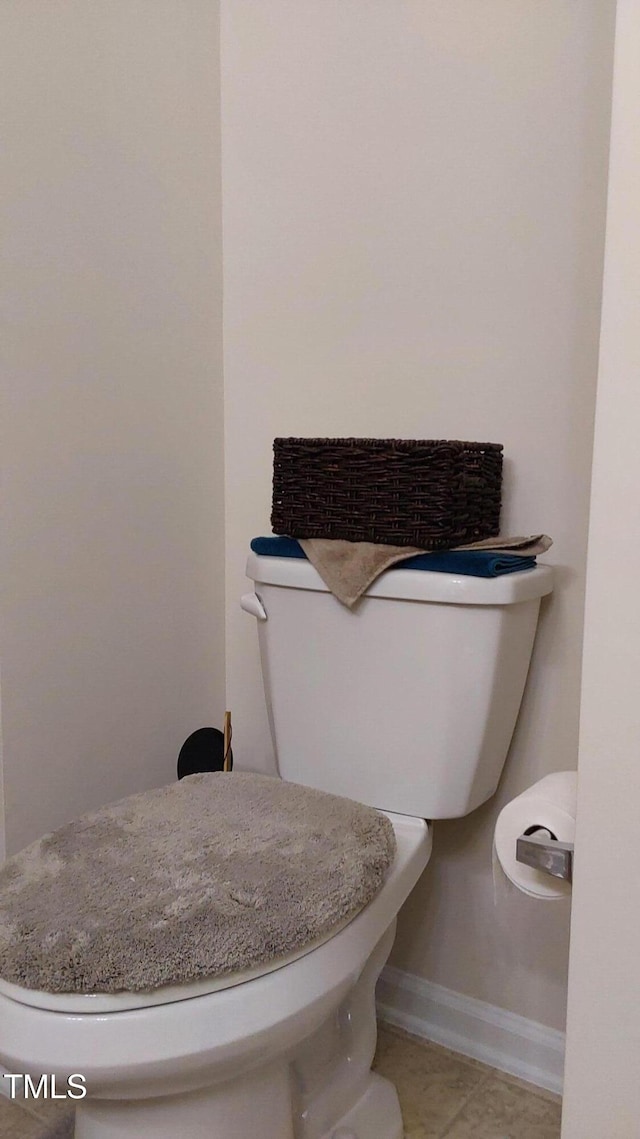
pixel 407 705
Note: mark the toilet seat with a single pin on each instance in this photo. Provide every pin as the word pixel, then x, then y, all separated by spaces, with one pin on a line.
pixel 145 1051
pixel 216 876
pixel 408 832
pixel 89 1003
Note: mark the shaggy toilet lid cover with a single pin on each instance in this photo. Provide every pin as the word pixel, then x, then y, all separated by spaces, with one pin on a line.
pixel 215 874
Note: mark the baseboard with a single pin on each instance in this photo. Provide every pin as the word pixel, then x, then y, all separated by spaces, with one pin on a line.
pixel 499 1038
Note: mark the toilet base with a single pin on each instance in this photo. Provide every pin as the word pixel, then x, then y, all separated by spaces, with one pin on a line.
pixel 375 1116
pixel 325 1089
pixel 263 1109
pixel 256 1105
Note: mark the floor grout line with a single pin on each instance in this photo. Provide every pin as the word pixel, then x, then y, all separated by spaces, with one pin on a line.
pixel 466 1101
pixel 23 1113
pixel 30 1111
pixel 531 1089
pixel 22 1117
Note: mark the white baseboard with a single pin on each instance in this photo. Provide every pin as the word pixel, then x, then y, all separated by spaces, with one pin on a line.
pixel 498 1038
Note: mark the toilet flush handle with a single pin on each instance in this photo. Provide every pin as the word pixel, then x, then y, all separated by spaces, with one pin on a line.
pixel 252 604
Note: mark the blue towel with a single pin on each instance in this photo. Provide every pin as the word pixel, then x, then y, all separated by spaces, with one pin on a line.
pixel 473 563
pixel 277 548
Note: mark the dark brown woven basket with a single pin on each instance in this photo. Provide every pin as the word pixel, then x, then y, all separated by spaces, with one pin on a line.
pixel 432 493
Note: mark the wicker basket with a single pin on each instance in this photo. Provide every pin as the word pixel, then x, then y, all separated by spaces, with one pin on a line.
pixel 431 493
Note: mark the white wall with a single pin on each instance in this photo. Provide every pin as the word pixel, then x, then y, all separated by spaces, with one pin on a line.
pixel 603 1036
pixel 112 564
pixel 413 203
pixel 3 840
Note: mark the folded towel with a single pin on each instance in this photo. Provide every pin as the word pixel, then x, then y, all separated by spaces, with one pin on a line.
pixel 278 548
pixel 473 563
pixel 281 547
pixel 349 568
pixel 534 544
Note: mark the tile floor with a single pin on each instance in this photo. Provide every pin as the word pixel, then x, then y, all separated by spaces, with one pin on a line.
pixel 46 1120
pixel 443 1096
pixel 447 1096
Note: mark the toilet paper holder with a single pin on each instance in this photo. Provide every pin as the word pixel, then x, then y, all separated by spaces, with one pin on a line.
pixel 538 847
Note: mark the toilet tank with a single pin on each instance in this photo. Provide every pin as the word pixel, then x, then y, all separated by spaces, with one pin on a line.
pixel 409 701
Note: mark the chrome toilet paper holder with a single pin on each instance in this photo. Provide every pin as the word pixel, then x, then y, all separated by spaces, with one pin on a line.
pixel 538 847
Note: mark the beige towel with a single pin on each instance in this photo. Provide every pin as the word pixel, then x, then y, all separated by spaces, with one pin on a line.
pixel 349 568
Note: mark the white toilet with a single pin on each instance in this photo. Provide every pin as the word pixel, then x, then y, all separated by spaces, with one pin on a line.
pixel 407 704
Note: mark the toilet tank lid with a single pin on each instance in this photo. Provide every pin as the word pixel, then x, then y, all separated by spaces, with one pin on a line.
pixel 411 585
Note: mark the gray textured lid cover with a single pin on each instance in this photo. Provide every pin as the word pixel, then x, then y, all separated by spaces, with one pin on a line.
pixel 218 873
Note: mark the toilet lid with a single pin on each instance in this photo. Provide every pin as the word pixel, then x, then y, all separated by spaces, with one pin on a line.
pixel 218 874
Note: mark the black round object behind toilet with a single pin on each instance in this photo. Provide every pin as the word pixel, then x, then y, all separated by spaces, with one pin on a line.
pixel 203 751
